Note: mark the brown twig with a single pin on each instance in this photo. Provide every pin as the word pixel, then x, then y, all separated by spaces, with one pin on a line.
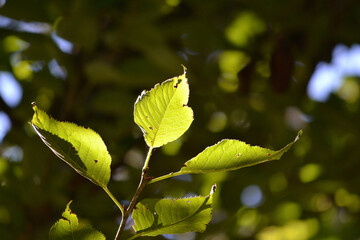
pixel 143 181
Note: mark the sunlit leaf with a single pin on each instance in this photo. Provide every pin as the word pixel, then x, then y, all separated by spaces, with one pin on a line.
pixel 162 113
pixel 68 228
pixel 231 155
pixel 81 148
pixel 171 216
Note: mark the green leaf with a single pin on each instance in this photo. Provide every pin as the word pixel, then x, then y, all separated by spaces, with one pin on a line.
pixel 162 113
pixel 68 228
pixel 81 148
pixel 231 155
pixel 228 155
pixel 171 216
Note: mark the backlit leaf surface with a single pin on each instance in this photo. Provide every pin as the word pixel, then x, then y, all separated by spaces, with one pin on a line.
pixel 68 228
pixel 171 216
pixel 162 113
pixel 229 155
pixel 82 148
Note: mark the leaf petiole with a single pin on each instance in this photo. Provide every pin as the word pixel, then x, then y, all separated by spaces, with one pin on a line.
pixel 146 163
pixel 114 199
pixel 169 175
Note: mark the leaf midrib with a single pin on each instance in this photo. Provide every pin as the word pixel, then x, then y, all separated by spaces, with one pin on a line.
pixel 162 117
pixel 273 157
pixel 172 224
pixel 82 171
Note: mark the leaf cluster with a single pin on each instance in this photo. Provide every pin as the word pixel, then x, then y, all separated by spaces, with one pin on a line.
pixel 163 116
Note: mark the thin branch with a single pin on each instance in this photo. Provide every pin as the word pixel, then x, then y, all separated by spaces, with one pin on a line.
pixel 143 181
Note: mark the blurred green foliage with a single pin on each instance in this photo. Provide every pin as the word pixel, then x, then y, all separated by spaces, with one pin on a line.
pixel 249 63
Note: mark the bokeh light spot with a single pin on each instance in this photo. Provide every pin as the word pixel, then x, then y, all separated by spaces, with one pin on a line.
pixel 321 202
pixel 295 229
pixel 10 90
pixel 278 182
pixel 64 45
pixel 217 122
pixel 244 28
pixel 13 44
pixel 252 196
pixel 249 217
pixel 345 199
pixel 328 78
pixel 3 166
pixel 45 98
pixel 350 90
pixel 181 236
pixel 13 154
pixel 2 3
pixel 23 71
pixel 287 211
pixel 263 68
pixel 134 158
pixel 172 3
pixel 295 118
pixel 228 82
pixel 5 125
pixel 232 61
pixel 120 174
pixel 172 148
pixel 56 70
pixel 310 172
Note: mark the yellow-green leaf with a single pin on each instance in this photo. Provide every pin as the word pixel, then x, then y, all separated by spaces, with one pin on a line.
pixel 162 113
pixel 81 148
pixel 229 155
pixel 68 228
pixel 171 216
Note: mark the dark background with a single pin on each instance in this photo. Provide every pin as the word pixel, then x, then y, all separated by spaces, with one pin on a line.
pixel 249 67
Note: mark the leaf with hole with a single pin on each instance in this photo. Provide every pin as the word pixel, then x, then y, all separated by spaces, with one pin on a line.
pixel 68 228
pixel 81 148
pixel 171 216
pixel 162 113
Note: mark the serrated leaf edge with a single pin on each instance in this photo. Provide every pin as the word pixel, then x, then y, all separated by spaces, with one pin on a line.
pixel 145 93
pixel 274 156
pixel 213 189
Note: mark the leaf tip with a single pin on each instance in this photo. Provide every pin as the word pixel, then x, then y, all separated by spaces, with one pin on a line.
pixel 300 133
pixel 213 189
pixel 68 205
pixel 185 69
pixel 36 112
pixel 67 209
pixel 34 107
